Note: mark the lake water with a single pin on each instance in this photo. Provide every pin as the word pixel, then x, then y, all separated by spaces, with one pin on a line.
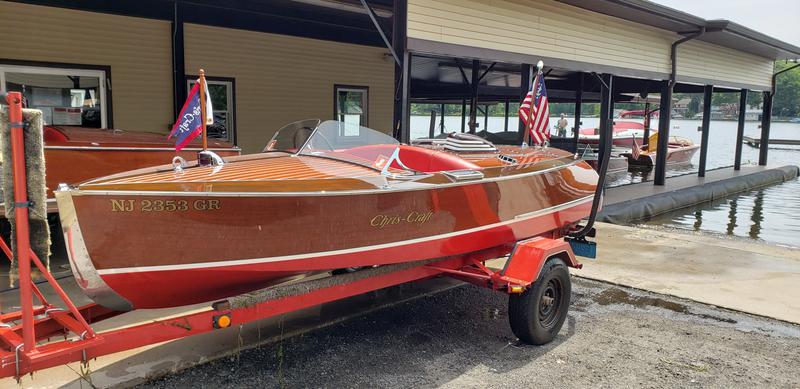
pixel 769 214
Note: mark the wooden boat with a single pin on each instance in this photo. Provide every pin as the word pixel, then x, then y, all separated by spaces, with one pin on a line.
pixel 320 197
pixel 680 151
pixel 639 114
pixel 617 163
pixel 625 133
pixel 77 154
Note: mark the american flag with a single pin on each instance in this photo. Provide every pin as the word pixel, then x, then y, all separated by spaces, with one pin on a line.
pixel 536 116
pixel 635 150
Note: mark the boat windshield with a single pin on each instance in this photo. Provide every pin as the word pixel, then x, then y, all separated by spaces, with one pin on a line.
pixel 352 143
pixel 291 137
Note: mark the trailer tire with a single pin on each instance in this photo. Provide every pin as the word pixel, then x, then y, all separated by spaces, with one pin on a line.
pixel 536 315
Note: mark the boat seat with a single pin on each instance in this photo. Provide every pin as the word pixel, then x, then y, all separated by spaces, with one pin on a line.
pixel 416 158
pixel 52 135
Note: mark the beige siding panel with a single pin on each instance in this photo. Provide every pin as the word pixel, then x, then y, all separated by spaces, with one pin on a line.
pixel 137 50
pixel 544 28
pixel 550 29
pixel 705 60
pixel 281 79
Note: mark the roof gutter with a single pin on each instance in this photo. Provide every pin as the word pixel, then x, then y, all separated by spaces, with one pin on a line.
pixel 673 54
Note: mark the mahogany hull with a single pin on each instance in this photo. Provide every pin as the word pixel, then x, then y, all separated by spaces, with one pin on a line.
pixel 200 246
pixel 77 154
pixel 73 165
pixel 676 155
pixel 619 141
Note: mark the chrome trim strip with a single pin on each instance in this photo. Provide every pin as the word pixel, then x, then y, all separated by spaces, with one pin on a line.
pixel 236 148
pixel 393 188
pixel 516 219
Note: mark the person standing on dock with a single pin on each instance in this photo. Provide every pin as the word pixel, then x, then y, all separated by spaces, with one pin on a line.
pixel 561 126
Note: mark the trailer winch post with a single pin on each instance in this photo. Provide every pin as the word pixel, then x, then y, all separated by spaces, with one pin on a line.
pixel 21 205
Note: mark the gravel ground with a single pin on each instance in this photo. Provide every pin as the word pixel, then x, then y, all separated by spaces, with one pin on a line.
pixel 613 337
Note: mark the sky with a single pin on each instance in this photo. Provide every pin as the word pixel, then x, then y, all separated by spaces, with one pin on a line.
pixel 776 18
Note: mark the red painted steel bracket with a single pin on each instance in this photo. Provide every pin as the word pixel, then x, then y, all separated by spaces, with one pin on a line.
pixel 528 257
pixel 522 268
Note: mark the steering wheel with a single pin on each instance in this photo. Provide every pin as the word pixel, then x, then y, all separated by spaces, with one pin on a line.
pixel 301 136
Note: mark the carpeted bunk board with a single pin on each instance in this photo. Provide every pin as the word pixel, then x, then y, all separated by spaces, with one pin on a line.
pixel 37 191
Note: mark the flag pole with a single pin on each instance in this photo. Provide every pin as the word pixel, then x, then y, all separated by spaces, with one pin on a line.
pixel 203 106
pixel 527 135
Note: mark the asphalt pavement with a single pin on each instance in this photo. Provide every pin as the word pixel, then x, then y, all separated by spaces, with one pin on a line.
pixel 614 337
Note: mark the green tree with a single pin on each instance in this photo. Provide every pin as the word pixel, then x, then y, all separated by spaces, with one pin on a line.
pixel 787 91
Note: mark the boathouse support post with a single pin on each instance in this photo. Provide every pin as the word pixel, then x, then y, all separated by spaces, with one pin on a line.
pixel 178 61
pixel 405 128
pixel 665 111
pixel 473 105
pixel 737 163
pixel 576 129
pixel 766 120
pixel 432 125
pixel 526 71
pixel 505 124
pixel 606 135
pixel 766 116
pixel 606 115
pixel 664 115
pixel 399 21
pixel 707 96
pixel 463 114
pixel 441 125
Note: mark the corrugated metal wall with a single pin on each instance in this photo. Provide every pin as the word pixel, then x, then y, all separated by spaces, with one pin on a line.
pixel 556 30
pixel 138 51
pixel 281 79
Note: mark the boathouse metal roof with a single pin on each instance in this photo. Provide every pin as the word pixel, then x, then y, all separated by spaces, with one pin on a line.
pixel 719 31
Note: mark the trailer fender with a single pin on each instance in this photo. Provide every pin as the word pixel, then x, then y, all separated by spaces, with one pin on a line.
pixel 528 257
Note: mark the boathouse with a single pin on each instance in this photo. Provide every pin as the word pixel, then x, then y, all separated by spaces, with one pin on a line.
pixel 128 65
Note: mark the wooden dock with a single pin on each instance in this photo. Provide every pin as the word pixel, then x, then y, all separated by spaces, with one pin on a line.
pixel 755 142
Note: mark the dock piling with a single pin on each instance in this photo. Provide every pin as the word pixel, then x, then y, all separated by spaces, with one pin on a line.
pixel 707 96
pixel 737 163
pixel 766 119
pixel 665 113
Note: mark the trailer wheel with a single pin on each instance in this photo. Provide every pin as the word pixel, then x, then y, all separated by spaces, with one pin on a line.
pixel 537 314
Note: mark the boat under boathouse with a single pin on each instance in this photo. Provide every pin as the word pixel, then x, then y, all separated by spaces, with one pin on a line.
pixel 128 65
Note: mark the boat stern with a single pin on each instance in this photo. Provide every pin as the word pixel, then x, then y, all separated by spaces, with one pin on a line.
pixel 83 269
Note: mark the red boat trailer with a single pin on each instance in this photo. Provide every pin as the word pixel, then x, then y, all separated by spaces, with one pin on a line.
pixel 25 344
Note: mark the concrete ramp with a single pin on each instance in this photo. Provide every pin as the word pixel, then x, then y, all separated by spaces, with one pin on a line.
pixel 746 276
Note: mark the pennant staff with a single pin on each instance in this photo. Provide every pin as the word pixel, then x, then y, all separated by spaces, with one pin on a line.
pixel 196 113
pixel 526 103
pixel 203 108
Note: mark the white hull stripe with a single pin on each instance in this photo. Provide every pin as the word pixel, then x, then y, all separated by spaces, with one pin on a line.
pixel 241 262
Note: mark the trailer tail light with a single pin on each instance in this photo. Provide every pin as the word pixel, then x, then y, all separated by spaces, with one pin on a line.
pixel 222 321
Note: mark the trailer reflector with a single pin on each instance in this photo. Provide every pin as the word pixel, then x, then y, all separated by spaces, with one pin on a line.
pixel 222 321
